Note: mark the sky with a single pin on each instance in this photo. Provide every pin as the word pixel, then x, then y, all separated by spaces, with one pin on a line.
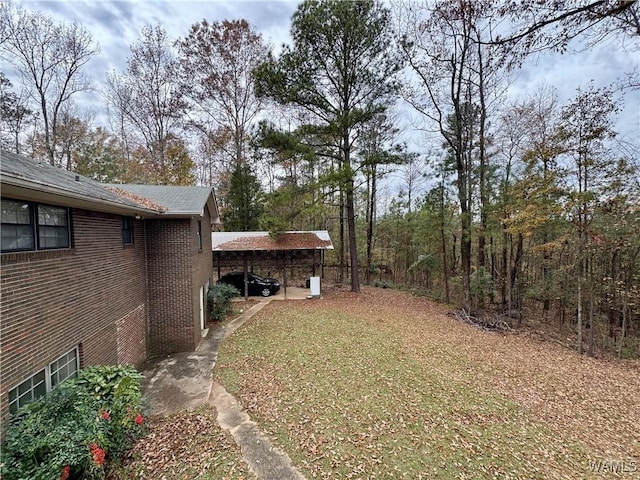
pixel 116 25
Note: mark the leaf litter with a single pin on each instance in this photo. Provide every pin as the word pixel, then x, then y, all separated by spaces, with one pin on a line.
pixel 188 445
pixel 385 385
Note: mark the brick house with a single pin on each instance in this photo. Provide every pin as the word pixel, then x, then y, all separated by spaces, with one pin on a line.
pixel 95 274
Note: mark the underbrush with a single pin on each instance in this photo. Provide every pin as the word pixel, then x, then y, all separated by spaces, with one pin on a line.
pixel 219 300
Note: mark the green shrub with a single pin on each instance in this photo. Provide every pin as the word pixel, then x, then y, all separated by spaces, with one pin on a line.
pixel 383 284
pixel 481 283
pixel 77 428
pixel 218 299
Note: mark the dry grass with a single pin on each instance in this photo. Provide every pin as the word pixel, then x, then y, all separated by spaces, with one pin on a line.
pixel 385 385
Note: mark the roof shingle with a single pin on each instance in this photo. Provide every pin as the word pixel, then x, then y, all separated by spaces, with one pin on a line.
pixel 254 241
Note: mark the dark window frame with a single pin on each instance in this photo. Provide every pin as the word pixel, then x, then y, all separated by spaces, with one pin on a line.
pixel 127 230
pixel 199 234
pixel 37 228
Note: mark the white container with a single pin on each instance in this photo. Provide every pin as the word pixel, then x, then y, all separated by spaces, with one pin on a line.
pixel 314 283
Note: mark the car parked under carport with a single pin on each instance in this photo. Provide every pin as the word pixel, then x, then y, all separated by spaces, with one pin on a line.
pixel 256 284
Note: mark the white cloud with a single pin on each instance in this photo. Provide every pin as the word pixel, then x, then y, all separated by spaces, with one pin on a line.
pixel 117 24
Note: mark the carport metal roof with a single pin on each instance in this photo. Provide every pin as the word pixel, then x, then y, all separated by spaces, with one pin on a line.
pixel 263 241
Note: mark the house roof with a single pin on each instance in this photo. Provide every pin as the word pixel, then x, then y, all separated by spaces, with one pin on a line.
pixel 177 200
pixel 26 179
pixel 254 241
pixel 23 178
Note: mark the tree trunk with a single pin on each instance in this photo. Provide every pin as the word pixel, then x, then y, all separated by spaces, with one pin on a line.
pixel 341 247
pixel 624 325
pixel 454 255
pixel 465 258
pixel 591 322
pixel 353 247
pixel 504 268
pixel 484 194
pixel 579 300
pixel 515 270
pixel 546 278
pixel 445 267
pixel 370 220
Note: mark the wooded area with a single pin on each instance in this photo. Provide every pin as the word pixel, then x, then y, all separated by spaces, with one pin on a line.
pixel 515 208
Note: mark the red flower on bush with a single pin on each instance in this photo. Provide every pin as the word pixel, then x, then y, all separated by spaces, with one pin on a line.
pixel 106 415
pixel 97 453
pixel 65 473
pixel 139 419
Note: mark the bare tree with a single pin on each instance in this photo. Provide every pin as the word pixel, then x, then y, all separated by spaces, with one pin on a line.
pixel 14 115
pixel 49 58
pixel 146 98
pixel 534 27
pixel 528 197
pixel 454 74
pixel 216 70
pixel 378 151
pixel 586 126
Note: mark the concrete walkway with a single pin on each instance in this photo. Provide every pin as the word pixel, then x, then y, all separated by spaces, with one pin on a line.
pixel 184 381
pixel 265 460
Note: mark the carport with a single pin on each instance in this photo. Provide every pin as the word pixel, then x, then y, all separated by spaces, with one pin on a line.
pixel 275 251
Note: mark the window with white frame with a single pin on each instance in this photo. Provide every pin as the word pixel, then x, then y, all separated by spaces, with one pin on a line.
pixel 36 386
pixel 33 226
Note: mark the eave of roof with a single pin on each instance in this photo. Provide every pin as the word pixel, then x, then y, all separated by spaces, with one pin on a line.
pixel 26 189
pixel 176 201
pixel 262 241
pixel 24 178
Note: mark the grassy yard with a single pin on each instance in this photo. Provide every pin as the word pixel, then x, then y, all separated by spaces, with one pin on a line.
pixel 385 385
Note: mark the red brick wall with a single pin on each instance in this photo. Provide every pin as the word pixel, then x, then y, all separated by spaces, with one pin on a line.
pixel 132 340
pixel 177 269
pixel 201 269
pixel 52 301
pixel 171 327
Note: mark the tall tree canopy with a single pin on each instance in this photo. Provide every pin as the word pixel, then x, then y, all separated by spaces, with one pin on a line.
pixel 341 69
pixel 243 203
pixel 455 80
pixel 50 59
pixel 216 72
pixel 14 114
pixel 147 99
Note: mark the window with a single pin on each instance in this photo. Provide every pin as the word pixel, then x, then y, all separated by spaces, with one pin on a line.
pixel 127 230
pixel 53 227
pixel 31 226
pixel 199 234
pixel 64 367
pixel 42 382
pixel 17 226
pixel 27 391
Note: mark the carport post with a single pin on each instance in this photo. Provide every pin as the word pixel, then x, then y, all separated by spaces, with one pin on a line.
pixel 218 254
pixel 246 276
pixel 284 272
pixel 313 268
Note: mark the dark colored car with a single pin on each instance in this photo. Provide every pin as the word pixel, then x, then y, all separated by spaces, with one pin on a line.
pixel 257 285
